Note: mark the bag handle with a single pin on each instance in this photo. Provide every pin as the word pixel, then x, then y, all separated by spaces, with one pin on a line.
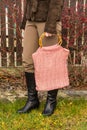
pixel 43 35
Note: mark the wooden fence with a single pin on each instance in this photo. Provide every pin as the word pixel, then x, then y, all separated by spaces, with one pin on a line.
pixel 74 30
pixel 10 33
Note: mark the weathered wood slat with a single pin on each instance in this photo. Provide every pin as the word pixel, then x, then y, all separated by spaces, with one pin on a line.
pixel 18 33
pixel 85 30
pixel 85 27
pixel 3 35
pixel 79 31
pixel 11 23
pixel 64 18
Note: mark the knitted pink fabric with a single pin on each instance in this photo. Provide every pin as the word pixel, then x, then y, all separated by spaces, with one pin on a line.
pixel 51 67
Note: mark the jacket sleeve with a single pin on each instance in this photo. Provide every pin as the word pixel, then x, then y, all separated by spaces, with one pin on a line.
pixel 54 15
pixel 23 23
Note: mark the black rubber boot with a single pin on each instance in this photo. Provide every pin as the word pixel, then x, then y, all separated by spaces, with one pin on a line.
pixel 50 102
pixel 32 101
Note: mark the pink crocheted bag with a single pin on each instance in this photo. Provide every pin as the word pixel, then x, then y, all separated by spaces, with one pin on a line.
pixel 51 67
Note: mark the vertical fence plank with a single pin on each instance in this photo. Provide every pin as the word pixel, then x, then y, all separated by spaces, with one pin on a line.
pixel 85 27
pixel 18 33
pixel 85 32
pixel 11 32
pixel 0 33
pixel 72 28
pixel 64 18
pixel 80 23
pixel 3 35
pixel 79 30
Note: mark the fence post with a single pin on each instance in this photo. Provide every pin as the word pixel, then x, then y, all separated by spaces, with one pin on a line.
pixel 18 33
pixel 11 15
pixel 3 35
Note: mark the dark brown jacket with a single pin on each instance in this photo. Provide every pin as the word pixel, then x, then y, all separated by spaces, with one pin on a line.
pixel 48 11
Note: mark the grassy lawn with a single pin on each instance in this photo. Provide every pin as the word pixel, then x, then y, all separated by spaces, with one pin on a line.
pixel 70 114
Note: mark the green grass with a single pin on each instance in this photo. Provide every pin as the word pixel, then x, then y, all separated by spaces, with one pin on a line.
pixel 70 114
